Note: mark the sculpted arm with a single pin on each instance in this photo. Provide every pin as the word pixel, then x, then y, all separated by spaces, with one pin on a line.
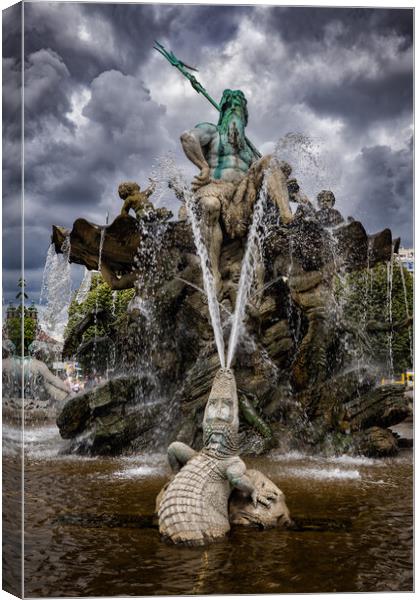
pixel 236 474
pixel 126 207
pixel 179 454
pixel 149 191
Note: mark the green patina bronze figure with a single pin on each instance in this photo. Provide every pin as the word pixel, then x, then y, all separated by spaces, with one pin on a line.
pixel 231 175
pixel 184 69
pixel 231 170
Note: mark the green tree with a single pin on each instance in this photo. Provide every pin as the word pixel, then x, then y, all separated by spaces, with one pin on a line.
pixel 378 302
pixel 14 323
pixel 14 330
pixel 99 298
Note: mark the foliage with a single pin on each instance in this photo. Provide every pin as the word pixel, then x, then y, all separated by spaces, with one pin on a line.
pixel 99 298
pixel 14 330
pixel 364 298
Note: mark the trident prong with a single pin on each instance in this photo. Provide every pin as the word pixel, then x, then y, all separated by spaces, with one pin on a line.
pixel 178 64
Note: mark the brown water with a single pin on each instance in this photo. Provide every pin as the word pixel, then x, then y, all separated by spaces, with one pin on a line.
pixel 365 545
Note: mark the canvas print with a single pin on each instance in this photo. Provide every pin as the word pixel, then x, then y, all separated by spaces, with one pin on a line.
pixel 207 299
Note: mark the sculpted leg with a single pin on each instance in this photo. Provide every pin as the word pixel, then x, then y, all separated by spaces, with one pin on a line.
pixel 276 185
pixel 179 454
pixel 212 233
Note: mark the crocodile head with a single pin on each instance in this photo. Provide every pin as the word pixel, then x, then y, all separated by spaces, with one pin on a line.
pixel 221 416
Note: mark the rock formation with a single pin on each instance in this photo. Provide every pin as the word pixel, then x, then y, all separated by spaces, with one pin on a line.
pixel 291 347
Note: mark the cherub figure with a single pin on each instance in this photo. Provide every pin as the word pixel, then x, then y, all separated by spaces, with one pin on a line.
pixel 327 215
pixel 137 200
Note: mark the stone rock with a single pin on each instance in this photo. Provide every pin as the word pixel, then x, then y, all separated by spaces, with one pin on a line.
pixel 383 406
pixel 111 417
pixel 243 512
pixel 277 340
pixel 121 242
pixel 377 442
pixel 325 401
pixel 292 352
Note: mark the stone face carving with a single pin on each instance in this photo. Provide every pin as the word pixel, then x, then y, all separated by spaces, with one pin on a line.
pixel 193 509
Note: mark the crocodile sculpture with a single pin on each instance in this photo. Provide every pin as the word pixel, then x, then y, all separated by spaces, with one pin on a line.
pixel 193 508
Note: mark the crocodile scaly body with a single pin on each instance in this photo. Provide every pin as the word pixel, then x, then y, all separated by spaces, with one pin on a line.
pixel 194 507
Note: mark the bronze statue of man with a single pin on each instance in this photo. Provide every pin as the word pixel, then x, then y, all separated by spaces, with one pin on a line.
pixel 231 175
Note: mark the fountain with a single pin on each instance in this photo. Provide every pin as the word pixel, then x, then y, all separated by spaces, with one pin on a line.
pixel 237 269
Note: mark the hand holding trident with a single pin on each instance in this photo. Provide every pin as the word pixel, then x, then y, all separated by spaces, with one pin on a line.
pixel 184 69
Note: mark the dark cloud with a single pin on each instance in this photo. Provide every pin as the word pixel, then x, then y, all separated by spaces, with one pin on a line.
pixel 48 89
pixel 361 100
pixel 102 105
pixel 82 39
pixel 383 188
pixel 114 105
pixel 11 149
pixel 304 26
pixel 188 28
pixel 12 29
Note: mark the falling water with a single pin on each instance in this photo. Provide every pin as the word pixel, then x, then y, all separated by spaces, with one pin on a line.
pixel 314 164
pixel 84 288
pixel 49 261
pixel 113 358
pixel 114 301
pixel 208 279
pixel 56 288
pixel 407 310
pixel 172 174
pixel 362 337
pixel 95 315
pixel 101 245
pixel 249 263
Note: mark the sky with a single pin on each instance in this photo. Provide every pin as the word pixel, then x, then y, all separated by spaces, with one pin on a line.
pixel 330 88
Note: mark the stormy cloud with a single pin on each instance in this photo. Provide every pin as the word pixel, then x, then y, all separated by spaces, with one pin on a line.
pixel 101 106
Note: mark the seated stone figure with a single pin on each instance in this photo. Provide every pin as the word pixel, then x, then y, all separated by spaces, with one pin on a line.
pixel 305 209
pixel 193 507
pixel 231 175
pixel 138 201
pixel 327 216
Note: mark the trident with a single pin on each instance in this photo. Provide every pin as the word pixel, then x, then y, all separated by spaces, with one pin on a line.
pixel 182 67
